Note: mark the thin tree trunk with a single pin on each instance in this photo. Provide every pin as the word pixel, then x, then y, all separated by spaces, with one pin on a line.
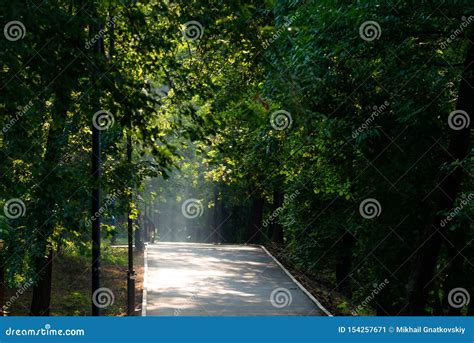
pixel 449 185
pixel 456 276
pixel 131 270
pixel 277 228
pixel 96 191
pixel 222 218
pixel 255 220
pixel 216 216
pixel 139 246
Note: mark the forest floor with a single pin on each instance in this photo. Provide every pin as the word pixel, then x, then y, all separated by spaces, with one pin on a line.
pixel 71 287
pixel 321 289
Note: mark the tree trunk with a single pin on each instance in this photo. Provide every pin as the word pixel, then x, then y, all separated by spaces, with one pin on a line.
pixel 456 276
pixel 42 290
pixel 46 195
pixel 222 219
pixel 216 217
pixel 255 220
pixel 277 228
pixel 146 225
pixel 449 185
pixel 131 271
pixel 139 246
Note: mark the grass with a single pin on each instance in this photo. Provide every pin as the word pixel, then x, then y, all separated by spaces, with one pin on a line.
pixel 71 286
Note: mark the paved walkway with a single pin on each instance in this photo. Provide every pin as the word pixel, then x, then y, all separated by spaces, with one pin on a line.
pixel 190 279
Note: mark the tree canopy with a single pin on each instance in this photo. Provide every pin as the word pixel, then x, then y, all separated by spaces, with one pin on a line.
pixel 337 132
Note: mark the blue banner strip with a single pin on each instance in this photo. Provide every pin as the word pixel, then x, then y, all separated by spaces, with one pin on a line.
pixel 237 329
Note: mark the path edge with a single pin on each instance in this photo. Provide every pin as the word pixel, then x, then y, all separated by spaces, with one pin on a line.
pixel 305 291
pixel 145 281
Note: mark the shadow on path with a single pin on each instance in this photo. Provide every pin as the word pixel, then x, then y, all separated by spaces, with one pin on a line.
pixel 220 280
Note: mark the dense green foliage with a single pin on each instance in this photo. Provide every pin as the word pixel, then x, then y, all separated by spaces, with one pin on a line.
pixel 280 117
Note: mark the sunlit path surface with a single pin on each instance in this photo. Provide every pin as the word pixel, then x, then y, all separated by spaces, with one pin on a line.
pixel 189 279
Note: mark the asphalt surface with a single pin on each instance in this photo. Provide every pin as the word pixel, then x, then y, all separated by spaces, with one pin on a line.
pixel 187 279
